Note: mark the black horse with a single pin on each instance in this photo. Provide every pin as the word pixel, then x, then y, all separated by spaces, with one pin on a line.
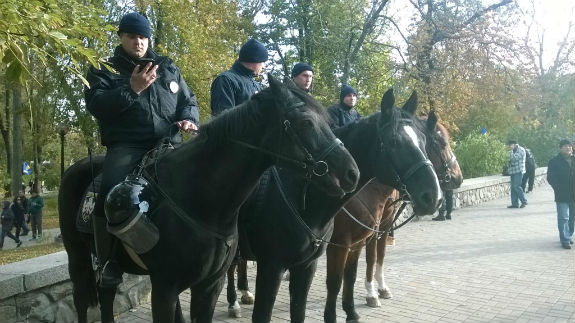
pixel 203 183
pixel 286 225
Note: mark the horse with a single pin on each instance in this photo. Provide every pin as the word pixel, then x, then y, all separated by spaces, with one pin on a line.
pixel 200 187
pixel 385 146
pixel 367 219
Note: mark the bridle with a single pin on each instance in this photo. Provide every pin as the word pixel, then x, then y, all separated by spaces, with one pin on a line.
pixel 446 165
pixel 400 179
pixel 312 166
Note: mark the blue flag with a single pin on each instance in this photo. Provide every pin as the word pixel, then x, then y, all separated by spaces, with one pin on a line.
pixel 26 169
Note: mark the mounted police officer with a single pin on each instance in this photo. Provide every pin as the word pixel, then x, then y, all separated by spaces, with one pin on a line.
pixel 236 85
pixel 344 112
pixel 137 105
pixel 302 76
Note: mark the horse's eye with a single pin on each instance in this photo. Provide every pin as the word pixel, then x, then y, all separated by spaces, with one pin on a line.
pixel 308 123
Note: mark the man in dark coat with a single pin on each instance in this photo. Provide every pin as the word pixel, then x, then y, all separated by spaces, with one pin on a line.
pixel 143 102
pixel 561 176
pixel 7 221
pixel 344 112
pixel 20 209
pixel 236 85
pixel 302 76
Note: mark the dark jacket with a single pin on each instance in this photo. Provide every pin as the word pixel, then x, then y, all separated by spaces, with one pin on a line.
pixel 342 114
pixel 232 88
pixel 7 216
pixel 127 118
pixel 561 176
pixel 19 207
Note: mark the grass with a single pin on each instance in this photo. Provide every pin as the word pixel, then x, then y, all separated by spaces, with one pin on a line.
pixel 45 245
pixel 23 253
pixel 50 212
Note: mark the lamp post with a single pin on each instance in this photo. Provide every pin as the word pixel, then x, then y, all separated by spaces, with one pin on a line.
pixel 62 131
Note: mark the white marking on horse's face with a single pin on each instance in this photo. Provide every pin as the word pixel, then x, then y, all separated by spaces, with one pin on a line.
pixel 411 133
pixel 413 136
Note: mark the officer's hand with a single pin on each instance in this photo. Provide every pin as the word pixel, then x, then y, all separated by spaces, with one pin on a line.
pixel 187 126
pixel 142 78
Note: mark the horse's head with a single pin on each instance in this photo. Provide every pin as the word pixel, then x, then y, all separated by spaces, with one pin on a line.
pixel 402 148
pixel 308 143
pixel 441 155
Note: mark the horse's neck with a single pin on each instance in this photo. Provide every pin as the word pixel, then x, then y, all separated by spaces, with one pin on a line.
pixel 213 179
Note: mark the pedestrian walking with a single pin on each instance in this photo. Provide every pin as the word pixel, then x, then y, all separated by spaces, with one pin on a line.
pixel 561 176
pixel 7 222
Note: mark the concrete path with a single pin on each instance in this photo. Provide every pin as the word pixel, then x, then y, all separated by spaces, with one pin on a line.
pixel 48 236
pixel 488 264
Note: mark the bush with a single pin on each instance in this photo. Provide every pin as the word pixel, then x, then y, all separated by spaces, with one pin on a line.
pixel 481 155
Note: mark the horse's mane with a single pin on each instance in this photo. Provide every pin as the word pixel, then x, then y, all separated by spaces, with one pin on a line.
pixel 246 115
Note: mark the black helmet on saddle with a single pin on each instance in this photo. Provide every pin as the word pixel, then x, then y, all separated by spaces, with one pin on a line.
pixel 126 209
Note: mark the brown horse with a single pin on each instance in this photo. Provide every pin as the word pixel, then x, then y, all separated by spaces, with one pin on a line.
pixel 368 217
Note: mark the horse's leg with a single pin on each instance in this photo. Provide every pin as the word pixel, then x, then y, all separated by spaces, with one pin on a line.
pixel 268 281
pixel 234 309
pixel 107 296
pixel 371 296
pixel 203 301
pixel 349 276
pixel 85 293
pixel 382 289
pixel 336 258
pixel 178 315
pixel 164 301
pixel 300 282
pixel 247 296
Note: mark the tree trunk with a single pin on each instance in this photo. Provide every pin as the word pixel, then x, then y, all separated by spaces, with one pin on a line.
pixel 5 130
pixel 17 110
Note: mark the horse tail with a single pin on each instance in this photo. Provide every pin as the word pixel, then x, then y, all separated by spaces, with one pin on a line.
pixel 78 245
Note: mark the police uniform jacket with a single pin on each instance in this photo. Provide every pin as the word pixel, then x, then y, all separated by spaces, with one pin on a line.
pixel 342 114
pixel 233 87
pixel 127 118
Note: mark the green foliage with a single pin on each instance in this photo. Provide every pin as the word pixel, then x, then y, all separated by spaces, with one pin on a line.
pixel 481 155
pixel 48 30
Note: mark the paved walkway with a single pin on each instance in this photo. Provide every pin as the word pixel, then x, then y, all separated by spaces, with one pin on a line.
pixel 489 264
pixel 48 236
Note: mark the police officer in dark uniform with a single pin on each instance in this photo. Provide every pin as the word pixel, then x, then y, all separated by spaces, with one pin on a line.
pixel 302 76
pixel 344 112
pixel 139 104
pixel 236 85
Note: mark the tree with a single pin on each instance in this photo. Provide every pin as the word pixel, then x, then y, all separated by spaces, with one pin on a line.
pixel 45 31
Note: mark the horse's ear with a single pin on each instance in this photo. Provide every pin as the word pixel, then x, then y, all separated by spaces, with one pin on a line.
pixel 431 121
pixel 289 82
pixel 275 85
pixel 388 100
pixel 411 104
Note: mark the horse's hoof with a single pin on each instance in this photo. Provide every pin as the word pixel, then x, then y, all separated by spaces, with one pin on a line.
pixel 235 310
pixel 353 321
pixel 248 299
pixel 372 302
pixel 235 313
pixel 384 293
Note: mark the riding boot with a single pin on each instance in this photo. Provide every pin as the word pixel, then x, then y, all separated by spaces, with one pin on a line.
pixel 111 275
